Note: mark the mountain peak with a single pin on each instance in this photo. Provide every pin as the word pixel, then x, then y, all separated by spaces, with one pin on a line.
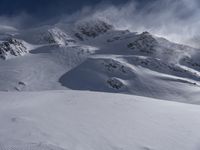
pixel 92 28
pixel 144 42
pixel 12 47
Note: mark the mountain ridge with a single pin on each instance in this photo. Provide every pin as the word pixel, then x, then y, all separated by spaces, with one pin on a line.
pixel 100 58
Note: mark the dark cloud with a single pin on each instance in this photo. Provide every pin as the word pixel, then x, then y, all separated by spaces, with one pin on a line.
pixel 41 11
pixel 46 8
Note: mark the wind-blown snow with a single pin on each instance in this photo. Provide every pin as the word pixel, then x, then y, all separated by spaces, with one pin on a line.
pixel 46 74
pixel 92 55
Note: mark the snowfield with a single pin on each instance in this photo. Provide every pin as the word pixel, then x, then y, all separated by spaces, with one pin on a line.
pixel 88 86
pixel 94 121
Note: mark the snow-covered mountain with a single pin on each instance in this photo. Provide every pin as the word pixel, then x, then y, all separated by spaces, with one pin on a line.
pixel 93 55
pixel 91 28
pixel 13 47
pixel 89 86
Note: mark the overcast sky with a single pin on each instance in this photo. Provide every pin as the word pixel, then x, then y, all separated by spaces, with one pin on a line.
pixel 177 20
pixel 45 9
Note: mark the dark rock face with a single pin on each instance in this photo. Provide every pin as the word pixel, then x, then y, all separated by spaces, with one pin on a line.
pixel 12 47
pixel 115 83
pixel 56 36
pixel 48 37
pixel 92 29
pixel 144 43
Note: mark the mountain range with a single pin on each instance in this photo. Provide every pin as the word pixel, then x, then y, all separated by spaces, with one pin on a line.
pixel 87 85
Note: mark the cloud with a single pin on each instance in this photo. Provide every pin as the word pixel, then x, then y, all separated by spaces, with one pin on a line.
pixel 177 20
pixel 19 21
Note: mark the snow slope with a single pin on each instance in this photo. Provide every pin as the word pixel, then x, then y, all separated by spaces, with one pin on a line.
pixel 90 120
pixel 92 55
pixel 47 75
pixel 39 70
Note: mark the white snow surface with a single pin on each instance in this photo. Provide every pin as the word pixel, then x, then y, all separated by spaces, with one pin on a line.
pixel 88 86
pixel 92 55
pixel 95 121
